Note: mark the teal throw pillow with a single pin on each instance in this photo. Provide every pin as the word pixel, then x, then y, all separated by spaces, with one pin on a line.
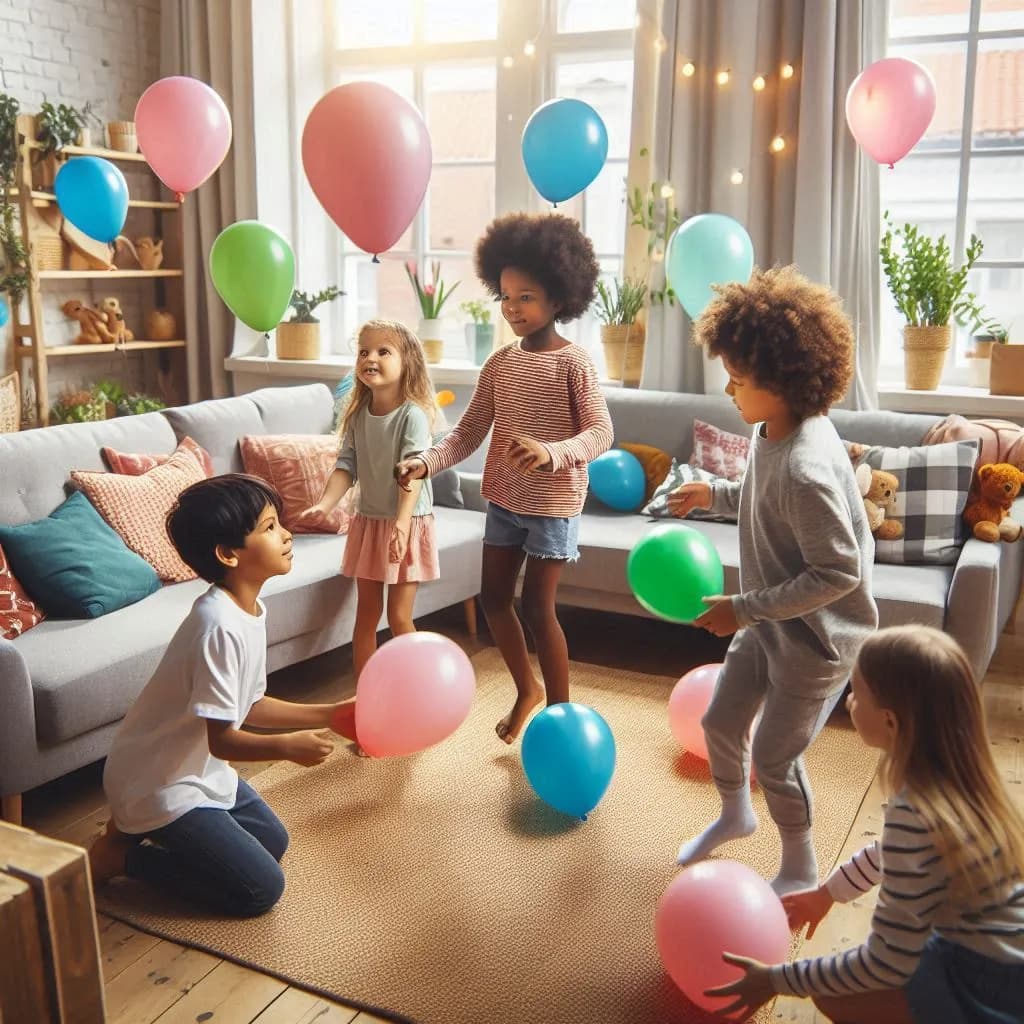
pixel 73 565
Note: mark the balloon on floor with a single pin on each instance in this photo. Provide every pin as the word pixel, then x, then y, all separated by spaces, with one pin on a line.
pixel 565 144
pixel 687 704
pixel 617 478
pixel 703 251
pixel 253 270
pixel 93 195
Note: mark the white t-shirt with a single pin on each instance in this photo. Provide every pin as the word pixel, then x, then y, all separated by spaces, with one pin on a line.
pixel 160 766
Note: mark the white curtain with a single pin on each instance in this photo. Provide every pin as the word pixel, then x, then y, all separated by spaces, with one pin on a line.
pixel 814 203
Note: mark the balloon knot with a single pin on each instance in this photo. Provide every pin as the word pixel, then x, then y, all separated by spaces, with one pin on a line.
pixel 892 167
pixel 375 259
pixel 179 196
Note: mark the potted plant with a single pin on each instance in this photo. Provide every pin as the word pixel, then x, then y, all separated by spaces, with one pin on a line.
pixel 299 336
pixel 84 138
pixel 431 298
pixel 622 335
pixel 929 292
pixel 655 212
pixel 56 127
pixel 986 332
pixel 480 333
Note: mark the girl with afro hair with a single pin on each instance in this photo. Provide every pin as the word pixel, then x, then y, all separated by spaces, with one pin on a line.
pixel 549 418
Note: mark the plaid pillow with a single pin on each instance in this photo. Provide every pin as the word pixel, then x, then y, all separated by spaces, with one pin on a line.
pixel 934 481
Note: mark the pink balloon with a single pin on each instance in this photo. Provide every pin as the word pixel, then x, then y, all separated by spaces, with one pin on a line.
pixel 889 107
pixel 690 699
pixel 184 131
pixel 367 156
pixel 415 691
pixel 716 907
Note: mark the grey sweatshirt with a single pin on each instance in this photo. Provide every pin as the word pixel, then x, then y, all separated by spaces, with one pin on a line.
pixel 806 555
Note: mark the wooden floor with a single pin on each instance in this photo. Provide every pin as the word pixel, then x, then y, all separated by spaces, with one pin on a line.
pixel 150 980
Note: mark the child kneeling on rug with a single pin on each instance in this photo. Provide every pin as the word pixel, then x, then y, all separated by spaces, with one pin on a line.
pixel 182 819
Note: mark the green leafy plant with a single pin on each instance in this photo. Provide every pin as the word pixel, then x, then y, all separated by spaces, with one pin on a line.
pixel 137 404
pixel 658 216
pixel 58 126
pixel 477 310
pixel 919 270
pixel 303 304
pixel 973 316
pixel 433 296
pixel 621 303
pixel 13 258
pixel 111 390
pixel 81 406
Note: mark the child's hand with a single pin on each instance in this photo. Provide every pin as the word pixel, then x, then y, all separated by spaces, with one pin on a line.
pixel 317 511
pixel 528 454
pixel 720 618
pixel 752 991
pixel 310 747
pixel 399 544
pixel 807 907
pixel 408 470
pixel 684 499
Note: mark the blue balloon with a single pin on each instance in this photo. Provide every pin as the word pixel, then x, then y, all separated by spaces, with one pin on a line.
pixel 93 195
pixel 617 478
pixel 564 147
pixel 344 386
pixel 705 250
pixel 569 757
pixel 5 312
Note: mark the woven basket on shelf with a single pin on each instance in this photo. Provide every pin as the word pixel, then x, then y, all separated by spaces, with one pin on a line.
pixel 298 341
pixel 924 355
pixel 623 346
pixel 122 136
pixel 49 251
pixel 10 404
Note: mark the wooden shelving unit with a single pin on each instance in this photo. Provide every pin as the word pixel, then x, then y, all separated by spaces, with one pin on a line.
pixel 30 334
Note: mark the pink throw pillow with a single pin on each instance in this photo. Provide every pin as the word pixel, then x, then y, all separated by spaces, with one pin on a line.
pixel 1000 440
pixel 129 464
pixel 718 451
pixel 18 611
pixel 297 467
pixel 137 506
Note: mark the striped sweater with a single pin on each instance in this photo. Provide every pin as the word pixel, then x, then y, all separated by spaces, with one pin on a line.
pixel 913 903
pixel 553 397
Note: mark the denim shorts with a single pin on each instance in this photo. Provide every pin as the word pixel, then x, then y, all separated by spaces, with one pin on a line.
pixel 956 985
pixel 539 536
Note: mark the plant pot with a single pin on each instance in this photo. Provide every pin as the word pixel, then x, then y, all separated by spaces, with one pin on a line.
pixel 160 325
pixel 298 341
pixel 623 346
pixel 430 337
pixel 924 355
pixel 479 342
pixel 122 136
pixel 84 138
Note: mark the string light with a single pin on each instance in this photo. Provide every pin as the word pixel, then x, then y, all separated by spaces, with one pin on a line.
pixel 660 45
pixel 529 48
pixel 689 69
pixel 787 71
pixel 759 83
pixel 778 144
pixel 736 178
pixel 722 78
pixel 507 62
pixel 667 191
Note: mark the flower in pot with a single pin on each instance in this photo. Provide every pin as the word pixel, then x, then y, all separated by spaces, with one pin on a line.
pixel 299 336
pixel 480 333
pixel 929 292
pixel 622 335
pixel 431 298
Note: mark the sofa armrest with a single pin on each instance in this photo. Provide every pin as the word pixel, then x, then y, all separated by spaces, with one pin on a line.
pixel 470 484
pixel 18 731
pixel 972 604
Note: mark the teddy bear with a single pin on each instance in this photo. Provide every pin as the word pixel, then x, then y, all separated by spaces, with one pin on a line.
pixel 92 322
pixel 987 512
pixel 878 489
pixel 119 331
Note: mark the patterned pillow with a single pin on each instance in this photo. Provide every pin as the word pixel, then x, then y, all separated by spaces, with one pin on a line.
pixel 137 506
pixel 677 476
pixel 18 611
pixel 934 481
pixel 718 451
pixel 656 464
pixel 297 467
pixel 128 464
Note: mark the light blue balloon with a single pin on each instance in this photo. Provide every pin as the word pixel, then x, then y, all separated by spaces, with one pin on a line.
pixel 705 250
pixel 569 757
pixel 5 312
pixel 344 386
pixel 617 478
pixel 93 195
pixel 565 144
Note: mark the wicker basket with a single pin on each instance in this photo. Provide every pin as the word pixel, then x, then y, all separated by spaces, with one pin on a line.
pixel 49 251
pixel 122 136
pixel 10 404
pixel 924 355
pixel 623 351
pixel 298 341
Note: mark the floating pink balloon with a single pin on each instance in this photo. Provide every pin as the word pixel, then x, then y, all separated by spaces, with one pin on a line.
pixel 414 691
pixel 367 156
pixel 184 131
pixel 889 107
pixel 690 699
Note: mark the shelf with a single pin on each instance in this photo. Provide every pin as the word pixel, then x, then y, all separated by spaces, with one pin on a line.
pixel 967 401
pixel 83 275
pixel 107 154
pixel 89 350
pixel 41 199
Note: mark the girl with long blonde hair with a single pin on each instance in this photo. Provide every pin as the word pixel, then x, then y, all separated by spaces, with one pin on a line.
pixel 947 937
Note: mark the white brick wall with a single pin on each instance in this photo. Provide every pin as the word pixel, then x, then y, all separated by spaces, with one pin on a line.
pixel 76 51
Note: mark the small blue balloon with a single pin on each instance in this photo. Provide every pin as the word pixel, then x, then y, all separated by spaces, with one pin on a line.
pixel 569 757
pixel 344 386
pixel 93 195
pixel 5 312
pixel 564 145
pixel 705 250
pixel 617 478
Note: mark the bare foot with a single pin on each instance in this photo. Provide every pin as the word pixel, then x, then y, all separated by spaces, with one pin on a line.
pixel 107 854
pixel 511 725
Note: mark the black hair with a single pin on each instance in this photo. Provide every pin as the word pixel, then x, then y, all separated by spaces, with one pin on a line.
pixel 223 510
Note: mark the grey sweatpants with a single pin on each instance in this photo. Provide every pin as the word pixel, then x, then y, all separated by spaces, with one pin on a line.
pixel 789 723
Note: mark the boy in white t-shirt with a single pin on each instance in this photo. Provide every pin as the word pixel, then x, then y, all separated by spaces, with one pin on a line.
pixel 182 819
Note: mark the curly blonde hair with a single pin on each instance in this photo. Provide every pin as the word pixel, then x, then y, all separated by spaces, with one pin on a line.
pixel 787 332
pixel 415 382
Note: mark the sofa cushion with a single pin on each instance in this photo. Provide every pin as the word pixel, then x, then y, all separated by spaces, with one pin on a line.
pixel 18 612
pixel 137 463
pixel 303 409
pixel 680 473
pixel 217 424
pixel 720 452
pixel 1000 440
pixel 655 462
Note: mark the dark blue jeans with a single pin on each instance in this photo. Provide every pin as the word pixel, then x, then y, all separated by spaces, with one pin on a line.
pixel 226 861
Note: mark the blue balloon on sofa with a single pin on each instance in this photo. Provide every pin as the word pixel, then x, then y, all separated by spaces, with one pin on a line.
pixel 618 480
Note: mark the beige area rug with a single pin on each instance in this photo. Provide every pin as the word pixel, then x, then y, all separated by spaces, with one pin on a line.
pixel 438 888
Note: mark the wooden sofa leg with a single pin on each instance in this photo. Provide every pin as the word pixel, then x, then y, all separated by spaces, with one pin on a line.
pixel 12 808
pixel 469 609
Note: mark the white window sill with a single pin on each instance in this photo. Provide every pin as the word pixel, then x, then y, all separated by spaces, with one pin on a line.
pixel 948 398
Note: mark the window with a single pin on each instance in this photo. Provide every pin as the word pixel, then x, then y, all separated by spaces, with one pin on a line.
pixel 476 69
pixel 975 51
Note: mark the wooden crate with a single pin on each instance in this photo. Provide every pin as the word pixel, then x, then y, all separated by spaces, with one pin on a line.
pixel 50 972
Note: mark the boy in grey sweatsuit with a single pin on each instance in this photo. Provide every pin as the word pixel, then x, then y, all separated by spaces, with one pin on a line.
pixel 806 552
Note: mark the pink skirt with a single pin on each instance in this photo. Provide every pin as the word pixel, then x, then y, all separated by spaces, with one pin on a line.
pixel 367 556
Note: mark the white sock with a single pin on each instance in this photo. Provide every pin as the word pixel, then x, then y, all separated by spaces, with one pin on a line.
pixel 799 868
pixel 736 820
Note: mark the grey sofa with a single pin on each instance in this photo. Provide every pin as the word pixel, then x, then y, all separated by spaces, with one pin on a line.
pixel 65 684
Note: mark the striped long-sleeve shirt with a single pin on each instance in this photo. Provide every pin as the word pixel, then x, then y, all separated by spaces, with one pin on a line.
pixel 553 397
pixel 914 901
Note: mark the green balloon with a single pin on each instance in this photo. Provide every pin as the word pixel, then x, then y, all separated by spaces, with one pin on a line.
pixel 253 270
pixel 672 569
